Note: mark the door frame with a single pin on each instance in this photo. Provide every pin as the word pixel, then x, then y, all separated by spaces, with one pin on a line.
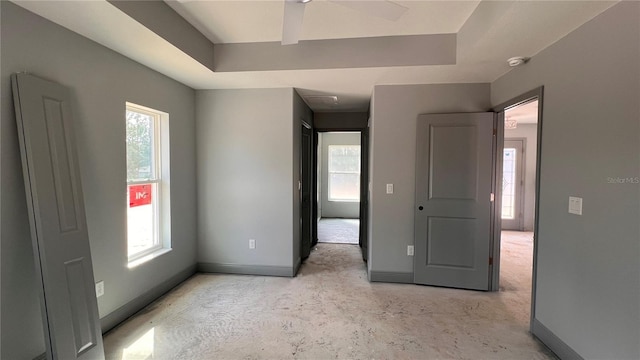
pixel 521 174
pixel 537 93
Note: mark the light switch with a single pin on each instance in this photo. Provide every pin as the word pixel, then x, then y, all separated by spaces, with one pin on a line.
pixel 99 288
pixel 389 188
pixel 409 250
pixel 575 205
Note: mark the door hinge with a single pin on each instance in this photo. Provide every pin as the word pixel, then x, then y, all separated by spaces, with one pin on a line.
pixel 493 197
pixel 491 261
pixel 495 131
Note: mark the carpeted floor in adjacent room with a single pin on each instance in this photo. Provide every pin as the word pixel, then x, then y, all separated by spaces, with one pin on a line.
pixel 331 311
pixel 339 231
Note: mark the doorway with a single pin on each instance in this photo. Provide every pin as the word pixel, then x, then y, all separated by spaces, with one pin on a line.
pixel 517 174
pixel 340 158
pixel 339 174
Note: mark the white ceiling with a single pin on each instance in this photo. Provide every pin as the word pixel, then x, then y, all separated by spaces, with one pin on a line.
pixel 260 21
pixel 488 32
pixel 524 114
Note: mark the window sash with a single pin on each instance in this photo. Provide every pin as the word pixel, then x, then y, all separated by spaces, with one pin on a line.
pixel 331 194
pixel 156 229
pixel 333 171
pixel 156 159
pixel 155 180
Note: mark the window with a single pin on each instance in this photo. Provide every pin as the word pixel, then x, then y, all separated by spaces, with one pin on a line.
pixel 148 219
pixel 508 183
pixel 344 172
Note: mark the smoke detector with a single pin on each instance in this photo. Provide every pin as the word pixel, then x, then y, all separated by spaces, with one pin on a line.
pixel 517 61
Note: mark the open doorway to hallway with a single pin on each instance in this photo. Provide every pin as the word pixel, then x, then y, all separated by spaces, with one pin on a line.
pixel 339 181
pixel 518 201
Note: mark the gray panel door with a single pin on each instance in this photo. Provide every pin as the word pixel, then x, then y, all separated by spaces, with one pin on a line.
pixel 453 200
pixel 513 184
pixel 58 224
pixel 305 192
pixel 364 193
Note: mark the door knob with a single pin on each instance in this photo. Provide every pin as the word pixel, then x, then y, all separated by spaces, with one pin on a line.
pixel 420 208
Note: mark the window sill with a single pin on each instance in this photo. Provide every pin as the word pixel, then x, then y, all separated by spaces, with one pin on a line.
pixel 144 259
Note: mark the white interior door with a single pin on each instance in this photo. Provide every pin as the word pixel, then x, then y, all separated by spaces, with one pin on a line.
pixel 57 218
pixel 454 166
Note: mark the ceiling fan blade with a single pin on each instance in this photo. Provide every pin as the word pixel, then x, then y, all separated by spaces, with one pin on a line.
pixel 384 9
pixel 292 21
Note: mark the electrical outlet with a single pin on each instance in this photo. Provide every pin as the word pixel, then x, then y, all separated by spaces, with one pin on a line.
pixel 99 288
pixel 252 243
pixel 410 250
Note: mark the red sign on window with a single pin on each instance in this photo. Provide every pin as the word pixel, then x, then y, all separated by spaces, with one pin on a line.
pixel 139 195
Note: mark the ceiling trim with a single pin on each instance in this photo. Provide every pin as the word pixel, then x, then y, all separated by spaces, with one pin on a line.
pixel 406 50
pixel 160 18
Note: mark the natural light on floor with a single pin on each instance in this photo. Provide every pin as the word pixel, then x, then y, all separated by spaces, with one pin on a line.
pixel 141 349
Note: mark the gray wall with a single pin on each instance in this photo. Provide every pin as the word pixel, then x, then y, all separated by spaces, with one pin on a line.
pixel 101 81
pixel 336 209
pixel 529 132
pixel 588 266
pixel 246 180
pixel 393 152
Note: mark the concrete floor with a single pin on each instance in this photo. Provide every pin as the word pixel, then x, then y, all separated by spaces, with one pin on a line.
pixel 330 310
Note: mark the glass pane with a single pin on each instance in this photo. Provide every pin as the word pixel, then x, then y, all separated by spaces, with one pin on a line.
pixel 344 158
pixel 344 187
pixel 508 183
pixel 140 156
pixel 141 217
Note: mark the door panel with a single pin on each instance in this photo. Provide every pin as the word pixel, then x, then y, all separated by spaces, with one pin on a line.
pixel 453 200
pixel 513 184
pixel 458 250
pixel 305 192
pixel 364 192
pixel 452 176
pixel 56 214
pixel 315 200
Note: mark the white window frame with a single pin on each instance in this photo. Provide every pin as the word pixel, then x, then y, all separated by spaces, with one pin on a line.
pixel 330 172
pixel 161 189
